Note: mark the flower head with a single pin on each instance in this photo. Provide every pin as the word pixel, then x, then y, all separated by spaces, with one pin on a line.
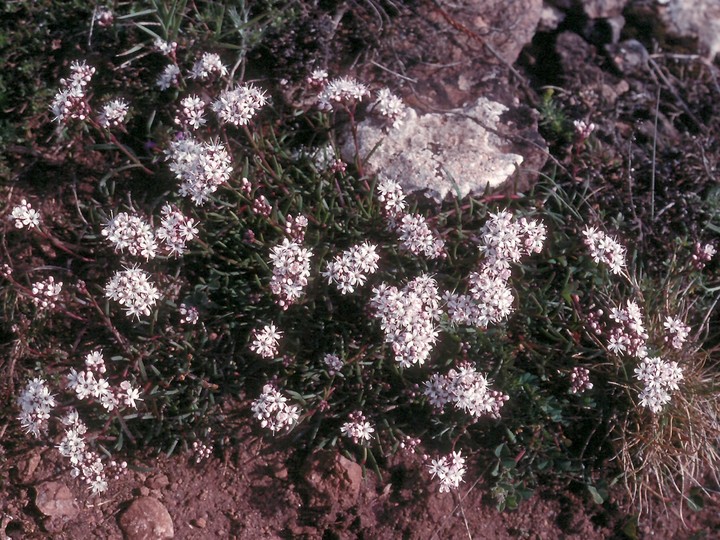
pixel 449 470
pixel 133 290
pixel 113 113
pixel 357 428
pixel 25 216
pixel 239 105
pixel 265 341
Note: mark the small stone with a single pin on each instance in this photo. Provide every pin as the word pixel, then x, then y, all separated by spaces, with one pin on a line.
pixel 146 519
pixel 27 467
pixel 200 523
pixel 55 500
pixel 158 481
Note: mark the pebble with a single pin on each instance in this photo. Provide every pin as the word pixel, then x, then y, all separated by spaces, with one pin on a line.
pixel 146 519
pixel 55 500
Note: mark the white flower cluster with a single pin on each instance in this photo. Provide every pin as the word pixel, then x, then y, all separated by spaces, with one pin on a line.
pixel 606 249
pixel 503 240
pixel 200 166
pixel 390 107
pixel 391 194
pixel 416 237
pixel 86 464
pixel 660 379
pixel 702 254
pixel 209 64
pixel 408 318
pixel 190 314
pixel 317 79
pixel 467 389
pixel 261 206
pixel 201 451
pixel 35 402
pixel 45 293
pixel 133 290
pixel 415 234
pixel 333 364
pixel 131 233
pixel 342 92
pixel 449 469
pixel 583 128
pixel 265 341
pixel 239 105
pixel 25 215
pixel 351 268
pixel 357 428
pixel 113 113
pixel 295 227
pixel 272 410
pixel 167 48
pixel 169 77
pixel 175 230
pixel 677 332
pixel 90 383
pixel 191 113
pixel 70 102
pixel 628 336
pixel 580 380
pixel 291 269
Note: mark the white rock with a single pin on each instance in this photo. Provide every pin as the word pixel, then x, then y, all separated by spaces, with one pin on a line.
pixel 700 18
pixel 447 153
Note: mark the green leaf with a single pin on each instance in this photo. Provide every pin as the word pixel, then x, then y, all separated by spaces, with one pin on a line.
pixel 595 494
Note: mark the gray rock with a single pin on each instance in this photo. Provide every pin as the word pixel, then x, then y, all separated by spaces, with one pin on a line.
pixel 441 153
pixel 596 9
pixel 696 18
pixel 146 519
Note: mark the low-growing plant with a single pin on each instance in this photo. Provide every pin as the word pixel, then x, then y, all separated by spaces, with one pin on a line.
pixel 233 250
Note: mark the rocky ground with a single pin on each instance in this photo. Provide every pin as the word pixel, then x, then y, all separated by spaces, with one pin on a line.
pixel 607 62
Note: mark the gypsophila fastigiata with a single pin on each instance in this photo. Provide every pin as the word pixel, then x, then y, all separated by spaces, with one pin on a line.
pixel 239 105
pixel 580 380
pixel 357 428
pixel 467 390
pixel 606 249
pixel 677 332
pixel 408 318
pixel 35 402
pixel 291 269
pixel 390 107
pixel 449 470
pixel 133 290
pixel 113 113
pixel 175 230
pixel 189 314
pixel 342 92
pixel 45 293
pixel 273 411
pixel 131 233
pixel 660 378
pixel 169 77
pixel 265 341
pixel 208 65
pixel 25 215
pixel 351 268
pixel 201 167
pixel 333 364
pixel 191 113
pixel 70 103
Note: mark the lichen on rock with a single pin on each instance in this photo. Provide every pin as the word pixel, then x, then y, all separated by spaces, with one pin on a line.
pixel 448 153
